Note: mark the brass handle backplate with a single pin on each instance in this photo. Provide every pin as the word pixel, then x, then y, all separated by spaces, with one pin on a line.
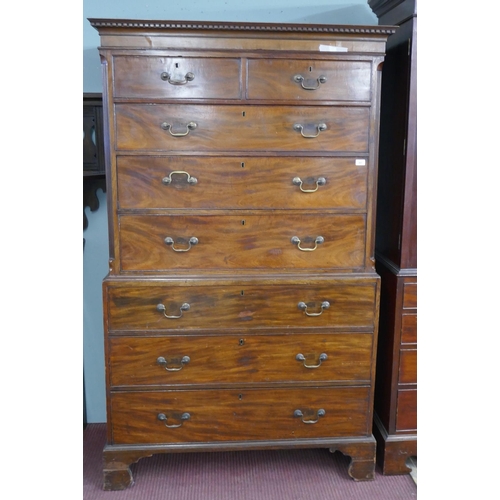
pixel 320 413
pixel 300 79
pixel 322 357
pixel 189 77
pixel 170 242
pixel 190 179
pixel 300 128
pixel 317 241
pixel 297 181
pixel 162 308
pixel 164 363
pixel 168 127
pixel 303 307
pixel 163 418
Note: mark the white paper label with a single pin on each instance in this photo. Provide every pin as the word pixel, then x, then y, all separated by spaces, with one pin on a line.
pixel 360 163
pixel 332 48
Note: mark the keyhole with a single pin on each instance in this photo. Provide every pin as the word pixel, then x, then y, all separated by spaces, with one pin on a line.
pixel 242 165
pixel 242 292
pixel 176 65
pixel 240 396
pixel 242 222
pixel 241 342
pixel 310 68
pixel 244 113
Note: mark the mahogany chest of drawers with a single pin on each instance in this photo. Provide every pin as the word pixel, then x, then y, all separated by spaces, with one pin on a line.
pixel 395 411
pixel 241 306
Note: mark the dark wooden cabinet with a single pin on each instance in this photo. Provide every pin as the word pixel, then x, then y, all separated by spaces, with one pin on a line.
pixel 396 242
pixel 94 171
pixel 241 307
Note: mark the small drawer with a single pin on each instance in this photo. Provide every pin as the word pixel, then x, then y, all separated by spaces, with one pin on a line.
pixel 408 366
pixel 410 296
pixel 409 329
pixel 167 244
pixel 238 415
pixel 230 359
pixel 209 182
pixel 150 306
pixel 157 77
pixel 205 128
pixel 284 79
pixel 406 413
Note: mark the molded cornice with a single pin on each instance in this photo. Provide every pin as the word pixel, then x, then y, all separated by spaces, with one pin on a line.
pixel 233 26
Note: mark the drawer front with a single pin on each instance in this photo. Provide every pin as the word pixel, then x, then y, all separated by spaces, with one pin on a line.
pixel 176 77
pixel 215 360
pixel 164 127
pixel 410 296
pixel 409 329
pixel 242 182
pixel 238 415
pixel 408 366
pixel 406 413
pixel 309 80
pixel 216 308
pixel 165 243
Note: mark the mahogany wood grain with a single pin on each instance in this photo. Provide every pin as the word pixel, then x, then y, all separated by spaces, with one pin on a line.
pixel 241 128
pixel 409 295
pixel 224 415
pixel 241 182
pixel 273 79
pixel 408 328
pixel 141 77
pixel 241 242
pixel 406 416
pixel 245 358
pixel 217 308
pixel 408 366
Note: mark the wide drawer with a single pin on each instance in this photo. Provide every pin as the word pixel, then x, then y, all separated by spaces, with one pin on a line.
pixel 241 182
pixel 170 243
pixel 173 127
pixel 229 359
pixel 238 415
pixel 309 80
pixel 176 77
pixel 141 308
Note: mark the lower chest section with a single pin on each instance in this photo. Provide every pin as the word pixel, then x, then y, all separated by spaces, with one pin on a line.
pixel 251 359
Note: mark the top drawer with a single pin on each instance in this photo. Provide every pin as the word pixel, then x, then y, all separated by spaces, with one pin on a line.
pixel 281 79
pixel 176 77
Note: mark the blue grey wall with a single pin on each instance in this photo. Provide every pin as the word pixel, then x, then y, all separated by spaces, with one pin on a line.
pixel 95 260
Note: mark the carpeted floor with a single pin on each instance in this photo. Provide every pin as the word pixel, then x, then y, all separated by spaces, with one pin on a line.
pixel 247 475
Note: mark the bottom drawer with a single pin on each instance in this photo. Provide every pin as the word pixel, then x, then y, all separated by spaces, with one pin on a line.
pixel 232 415
pixel 406 415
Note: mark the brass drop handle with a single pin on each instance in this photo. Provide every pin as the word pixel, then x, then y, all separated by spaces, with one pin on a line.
pixel 320 413
pixel 303 307
pixel 167 78
pixel 300 128
pixel 167 126
pixel 170 242
pixel 317 241
pixel 164 363
pixel 322 357
pixel 163 418
pixel 190 179
pixel 300 79
pixel 297 181
pixel 184 307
